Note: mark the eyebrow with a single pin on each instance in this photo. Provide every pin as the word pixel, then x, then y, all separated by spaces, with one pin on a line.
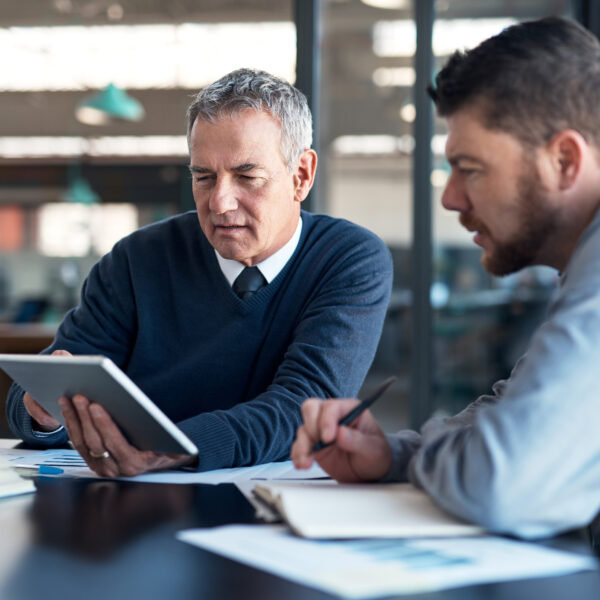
pixel 238 168
pixel 453 160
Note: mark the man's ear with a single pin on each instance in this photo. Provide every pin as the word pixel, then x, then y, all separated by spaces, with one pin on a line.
pixel 566 151
pixel 304 176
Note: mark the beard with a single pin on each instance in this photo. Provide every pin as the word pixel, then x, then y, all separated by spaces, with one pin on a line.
pixel 538 224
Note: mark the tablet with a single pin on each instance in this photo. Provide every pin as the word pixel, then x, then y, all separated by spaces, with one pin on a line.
pixel 48 378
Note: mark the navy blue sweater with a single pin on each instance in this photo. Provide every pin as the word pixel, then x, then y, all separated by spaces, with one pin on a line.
pixel 231 373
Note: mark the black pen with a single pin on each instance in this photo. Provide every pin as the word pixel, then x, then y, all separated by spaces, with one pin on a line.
pixel 355 412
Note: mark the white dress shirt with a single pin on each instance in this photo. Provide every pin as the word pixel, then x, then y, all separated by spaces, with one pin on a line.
pixel 270 267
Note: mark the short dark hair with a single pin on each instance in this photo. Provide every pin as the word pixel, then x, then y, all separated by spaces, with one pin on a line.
pixel 258 90
pixel 532 80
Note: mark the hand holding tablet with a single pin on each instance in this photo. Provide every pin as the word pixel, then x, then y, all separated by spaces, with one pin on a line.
pixel 99 380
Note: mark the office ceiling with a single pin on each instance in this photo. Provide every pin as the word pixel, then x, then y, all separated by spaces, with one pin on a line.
pixel 348 64
pixel 105 12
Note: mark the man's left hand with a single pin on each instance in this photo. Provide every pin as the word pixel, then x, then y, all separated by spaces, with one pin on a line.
pixel 96 437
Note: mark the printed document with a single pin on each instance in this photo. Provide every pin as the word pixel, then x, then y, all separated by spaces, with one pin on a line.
pixel 369 568
pixel 72 465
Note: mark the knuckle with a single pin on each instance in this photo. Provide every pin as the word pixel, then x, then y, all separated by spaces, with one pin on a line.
pixel 129 470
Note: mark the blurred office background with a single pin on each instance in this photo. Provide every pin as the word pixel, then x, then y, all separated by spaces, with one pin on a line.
pixel 72 183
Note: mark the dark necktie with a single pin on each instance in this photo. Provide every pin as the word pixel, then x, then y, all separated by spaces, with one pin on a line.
pixel 248 282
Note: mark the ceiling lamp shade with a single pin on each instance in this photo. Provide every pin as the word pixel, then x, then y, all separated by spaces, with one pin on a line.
pixel 80 192
pixel 108 104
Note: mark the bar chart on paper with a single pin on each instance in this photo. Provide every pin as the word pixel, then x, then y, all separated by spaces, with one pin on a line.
pixel 379 567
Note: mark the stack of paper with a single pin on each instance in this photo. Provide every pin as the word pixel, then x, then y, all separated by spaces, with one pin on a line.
pixel 321 510
pixel 11 483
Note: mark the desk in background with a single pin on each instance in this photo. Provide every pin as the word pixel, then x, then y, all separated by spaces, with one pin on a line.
pixel 19 339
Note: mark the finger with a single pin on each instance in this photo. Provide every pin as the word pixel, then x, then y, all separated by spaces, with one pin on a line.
pixel 301 453
pixel 369 454
pixel 127 459
pixel 332 411
pixel 61 353
pixel 38 413
pixel 113 440
pixel 310 417
pixel 105 467
pixel 91 437
pixel 73 425
pixel 354 441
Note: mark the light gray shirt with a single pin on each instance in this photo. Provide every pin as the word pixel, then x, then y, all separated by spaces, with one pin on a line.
pixel 526 460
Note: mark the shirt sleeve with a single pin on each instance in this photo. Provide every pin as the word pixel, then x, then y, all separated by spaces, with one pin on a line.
pixel 526 460
pixel 405 443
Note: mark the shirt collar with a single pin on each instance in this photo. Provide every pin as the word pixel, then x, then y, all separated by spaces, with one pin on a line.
pixel 270 267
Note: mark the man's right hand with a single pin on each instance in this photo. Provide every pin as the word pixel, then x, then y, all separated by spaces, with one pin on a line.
pixel 43 419
pixel 359 452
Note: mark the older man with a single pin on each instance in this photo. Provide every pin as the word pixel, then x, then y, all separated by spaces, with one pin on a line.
pixel 230 316
pixel 524 148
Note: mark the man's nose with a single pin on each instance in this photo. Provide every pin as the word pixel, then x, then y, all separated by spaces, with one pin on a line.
pixel 454 196
pixel 223 197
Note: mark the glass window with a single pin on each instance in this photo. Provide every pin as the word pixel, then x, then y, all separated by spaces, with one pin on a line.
pixel 366 156
pixel 69 190
pixel 480 323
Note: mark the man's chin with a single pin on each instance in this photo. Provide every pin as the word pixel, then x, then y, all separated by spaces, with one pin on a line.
pixel 500 265
pixel 229 251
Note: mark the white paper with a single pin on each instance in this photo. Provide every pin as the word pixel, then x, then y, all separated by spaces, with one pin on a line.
pixel 73 465
pixel 30 459
pixel 270 471
pixel 379 567
pixel 11 484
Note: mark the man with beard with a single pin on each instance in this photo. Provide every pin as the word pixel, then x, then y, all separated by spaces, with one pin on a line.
pixel 524 148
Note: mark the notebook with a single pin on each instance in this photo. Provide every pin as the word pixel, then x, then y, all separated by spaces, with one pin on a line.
pixel 322 510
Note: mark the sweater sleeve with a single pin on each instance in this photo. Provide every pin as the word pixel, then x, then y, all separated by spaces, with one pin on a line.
pixel 100 324
pixel 333 345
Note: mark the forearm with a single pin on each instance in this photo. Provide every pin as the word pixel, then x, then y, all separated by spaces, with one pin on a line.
pixel 527 467
pixel 23 426
pixel 254 432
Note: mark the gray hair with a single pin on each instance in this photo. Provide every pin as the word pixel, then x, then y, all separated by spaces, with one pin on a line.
pixel 257 90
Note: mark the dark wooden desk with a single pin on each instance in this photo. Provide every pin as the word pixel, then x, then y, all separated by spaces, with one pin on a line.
pixel 19 339
pixel 100 540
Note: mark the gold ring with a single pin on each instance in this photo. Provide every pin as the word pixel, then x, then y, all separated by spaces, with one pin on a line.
pixel 104 454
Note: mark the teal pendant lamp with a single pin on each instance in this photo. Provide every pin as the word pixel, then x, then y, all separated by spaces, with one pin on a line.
pixel 80 191
pixel 110 103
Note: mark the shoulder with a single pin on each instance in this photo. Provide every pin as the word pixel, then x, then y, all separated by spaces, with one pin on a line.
pixel 180 226
pixel 155 246
pixel 581 278
pixel 174 235
pixel 342 238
